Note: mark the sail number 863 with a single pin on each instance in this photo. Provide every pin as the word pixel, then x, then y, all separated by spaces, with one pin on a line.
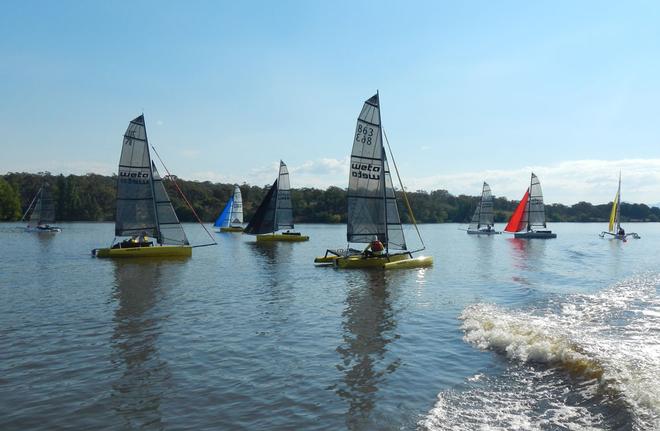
pixel 364 134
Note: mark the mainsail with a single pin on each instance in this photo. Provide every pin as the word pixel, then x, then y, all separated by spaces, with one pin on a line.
pixel 143 205
pixel 614 215
pixel 224 217
pixel 536 208
pixel 372 207
pixel 236 218
pixel 44 208
pixel 483 214
pixel 284 214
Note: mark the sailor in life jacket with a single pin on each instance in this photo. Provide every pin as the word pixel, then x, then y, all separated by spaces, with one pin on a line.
pixel 374 248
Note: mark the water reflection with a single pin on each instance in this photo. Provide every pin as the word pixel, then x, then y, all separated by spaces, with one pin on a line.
pixel 136 394
pixel 368 323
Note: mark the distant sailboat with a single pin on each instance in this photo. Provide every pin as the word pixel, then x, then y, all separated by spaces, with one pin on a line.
pixel 43 212
pixel 143 207
pixel 529 214
pixel 483 220
pixel 231 217
pixel 275 213
pixel 614 230
pixel 373 215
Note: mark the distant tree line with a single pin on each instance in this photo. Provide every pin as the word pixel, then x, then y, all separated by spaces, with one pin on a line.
pixel 91 197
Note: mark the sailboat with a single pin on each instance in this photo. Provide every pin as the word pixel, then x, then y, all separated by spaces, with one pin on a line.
pixel 529 214
pixel 231 217
pixel 43 212
pixel 614 229
pixel 483 219
pixel 143 207
pixel 373 214
pixel 275 213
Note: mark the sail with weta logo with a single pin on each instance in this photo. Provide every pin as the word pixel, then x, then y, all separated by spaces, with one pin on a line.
pixel 44 208
pixel 143 206
pixel 483 214
pixel 372 207
pixel 236 216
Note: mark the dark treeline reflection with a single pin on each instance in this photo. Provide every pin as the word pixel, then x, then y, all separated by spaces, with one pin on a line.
pixel 91 197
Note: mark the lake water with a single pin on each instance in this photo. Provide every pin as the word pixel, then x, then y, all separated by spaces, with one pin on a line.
pixel 499 334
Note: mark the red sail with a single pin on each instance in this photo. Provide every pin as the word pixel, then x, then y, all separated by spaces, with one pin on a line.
pixel 516 221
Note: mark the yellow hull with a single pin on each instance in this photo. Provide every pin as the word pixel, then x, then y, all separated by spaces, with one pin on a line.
pixel 326 260
pixel 155 251
pixel 231 229
pixel 396 261
pixel 282 237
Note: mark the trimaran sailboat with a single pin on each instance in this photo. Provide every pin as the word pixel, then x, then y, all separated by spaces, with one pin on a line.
pixel 43 212
pixel 614 230
pixel 530 214
pixel 231 217
pixel 275 213
pixel 372 208
pixel 483 220
pixel 143 207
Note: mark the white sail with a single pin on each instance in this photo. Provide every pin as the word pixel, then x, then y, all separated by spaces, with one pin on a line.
pixel 284 212
pixel 483 214
pixel 535 213
pixel 372 207
pixel 236 214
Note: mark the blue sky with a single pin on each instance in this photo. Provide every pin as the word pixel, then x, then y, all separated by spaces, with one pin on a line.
pixel 470 91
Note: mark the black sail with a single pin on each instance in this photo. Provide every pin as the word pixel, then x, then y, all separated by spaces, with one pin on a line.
pixel 263 220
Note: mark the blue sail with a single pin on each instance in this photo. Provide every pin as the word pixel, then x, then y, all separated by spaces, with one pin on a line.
pixel 223 219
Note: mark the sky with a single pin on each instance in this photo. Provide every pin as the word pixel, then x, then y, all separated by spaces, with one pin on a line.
pixel 470 91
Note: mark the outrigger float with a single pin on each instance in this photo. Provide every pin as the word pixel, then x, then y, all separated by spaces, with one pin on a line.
pixel 275 213
pixel 372 207
pixel 231 217
pixel 144 208
pixel 529 216
pixel 614 230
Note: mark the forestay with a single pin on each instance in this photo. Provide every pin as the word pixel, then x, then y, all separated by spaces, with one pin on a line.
pixel 372 207
pixel 284 214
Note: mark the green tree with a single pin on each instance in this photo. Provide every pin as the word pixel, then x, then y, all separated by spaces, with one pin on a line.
pixel 10 202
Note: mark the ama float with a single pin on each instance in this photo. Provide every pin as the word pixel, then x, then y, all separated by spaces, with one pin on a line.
pixel 275 213
pixel 372 207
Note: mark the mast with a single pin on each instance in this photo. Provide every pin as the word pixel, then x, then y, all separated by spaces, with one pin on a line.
pixel 383 184
pixel 159 239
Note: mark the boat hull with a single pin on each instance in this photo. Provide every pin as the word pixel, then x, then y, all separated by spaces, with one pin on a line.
pixel 483 232
pixel 231 229
pixel 395 261
pixel 136 252
pixel 611 235
pixel 50 229
pixel 282 237
pixel 539 234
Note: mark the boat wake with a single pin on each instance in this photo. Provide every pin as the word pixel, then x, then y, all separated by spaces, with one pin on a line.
pixel 579 362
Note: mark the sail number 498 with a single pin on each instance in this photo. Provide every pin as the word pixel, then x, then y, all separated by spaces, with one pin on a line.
pixel 364 134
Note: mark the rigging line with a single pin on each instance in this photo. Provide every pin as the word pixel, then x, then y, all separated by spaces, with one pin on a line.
pixel 184 196
pixel 403 190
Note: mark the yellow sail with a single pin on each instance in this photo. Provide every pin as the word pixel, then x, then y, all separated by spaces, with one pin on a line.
pixel 615 204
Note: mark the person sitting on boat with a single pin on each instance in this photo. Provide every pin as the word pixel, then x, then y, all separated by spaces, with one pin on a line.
pixel 374 248
pixel 143 240
pixel 621 232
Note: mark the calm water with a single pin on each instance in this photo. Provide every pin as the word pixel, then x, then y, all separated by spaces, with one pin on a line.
pixel 500 334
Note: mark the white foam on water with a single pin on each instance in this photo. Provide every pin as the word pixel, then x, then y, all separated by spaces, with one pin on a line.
pixel 605 345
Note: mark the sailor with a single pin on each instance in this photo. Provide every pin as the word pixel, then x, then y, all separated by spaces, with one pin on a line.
pixel 621 232
pixel 374 248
